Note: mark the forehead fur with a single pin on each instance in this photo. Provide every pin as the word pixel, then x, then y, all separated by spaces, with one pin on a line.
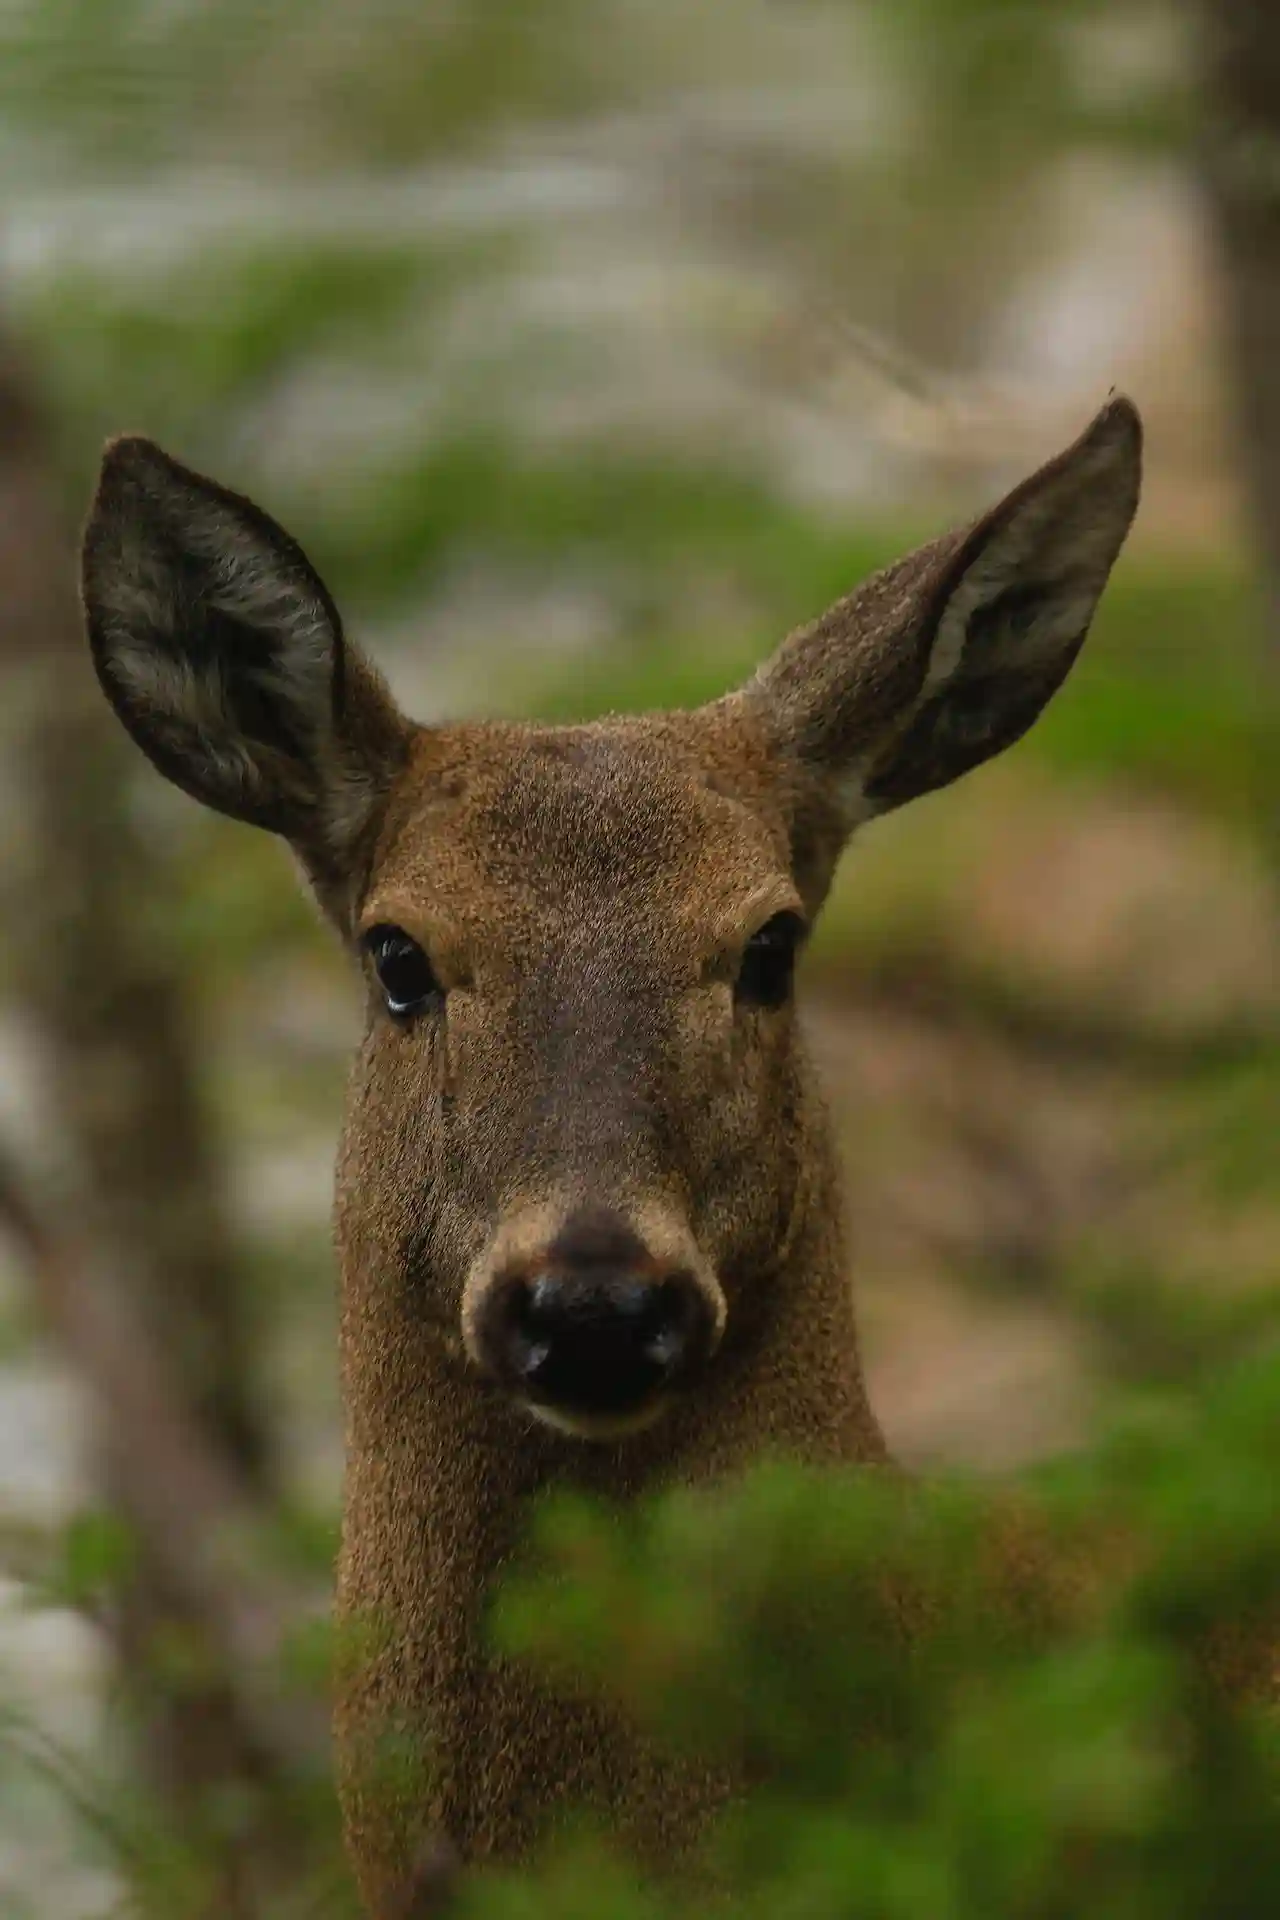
pixel 572 819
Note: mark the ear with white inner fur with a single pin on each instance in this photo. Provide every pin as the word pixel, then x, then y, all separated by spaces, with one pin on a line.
pixel 222 653
pixel 947 657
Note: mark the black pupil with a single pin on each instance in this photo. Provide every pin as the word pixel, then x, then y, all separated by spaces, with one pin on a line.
pixel 769 961
pixel 403 969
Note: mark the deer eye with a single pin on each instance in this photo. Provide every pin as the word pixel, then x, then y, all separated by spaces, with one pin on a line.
pixel 764 978
pixel 403 970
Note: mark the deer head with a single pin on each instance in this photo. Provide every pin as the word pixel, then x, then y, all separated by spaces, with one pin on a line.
pixel 579 1125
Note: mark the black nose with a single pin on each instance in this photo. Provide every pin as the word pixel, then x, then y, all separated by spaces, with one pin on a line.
pixel 599 1344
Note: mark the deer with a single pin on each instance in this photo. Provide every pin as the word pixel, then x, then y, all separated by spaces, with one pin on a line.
pixel 587 1203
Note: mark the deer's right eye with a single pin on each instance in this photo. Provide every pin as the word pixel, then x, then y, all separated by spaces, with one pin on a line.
pixel 403 970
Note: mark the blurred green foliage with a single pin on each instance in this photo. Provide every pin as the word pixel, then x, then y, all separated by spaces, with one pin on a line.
pixel 954 1702
pixel 384 83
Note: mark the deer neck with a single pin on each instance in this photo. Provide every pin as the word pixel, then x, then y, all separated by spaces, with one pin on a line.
pixel 440 1480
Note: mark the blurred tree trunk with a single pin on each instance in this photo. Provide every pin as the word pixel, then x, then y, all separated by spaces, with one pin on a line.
pixel 1242 45
pixel 99 992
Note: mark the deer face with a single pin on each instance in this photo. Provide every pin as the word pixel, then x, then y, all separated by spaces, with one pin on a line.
pixel 577 1130
pixel 579 1062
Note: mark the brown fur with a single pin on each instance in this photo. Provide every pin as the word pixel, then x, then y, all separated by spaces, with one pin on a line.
pixel 585 895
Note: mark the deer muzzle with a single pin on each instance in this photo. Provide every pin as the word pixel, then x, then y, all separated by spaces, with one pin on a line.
pixel 593 1326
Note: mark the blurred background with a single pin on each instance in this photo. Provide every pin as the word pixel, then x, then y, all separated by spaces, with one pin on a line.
pixel 587 348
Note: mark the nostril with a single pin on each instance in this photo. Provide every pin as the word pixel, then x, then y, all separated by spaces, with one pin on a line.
pixel 540 1304
pixel 660 1319
pixel 535 1310
pixel 669 1321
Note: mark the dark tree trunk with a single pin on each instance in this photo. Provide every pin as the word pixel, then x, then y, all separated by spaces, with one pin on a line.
pixel 99 990
pixel 1241 41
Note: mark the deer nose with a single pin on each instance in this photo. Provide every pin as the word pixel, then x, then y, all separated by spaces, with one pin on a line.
pixel 600 1345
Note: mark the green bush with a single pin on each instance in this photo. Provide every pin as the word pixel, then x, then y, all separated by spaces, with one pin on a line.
pixel 963 1702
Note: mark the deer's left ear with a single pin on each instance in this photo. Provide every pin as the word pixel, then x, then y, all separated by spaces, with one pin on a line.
pixel 947 657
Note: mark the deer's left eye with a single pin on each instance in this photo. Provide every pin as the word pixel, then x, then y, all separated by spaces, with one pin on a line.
pixel 403 969
pixel 769 960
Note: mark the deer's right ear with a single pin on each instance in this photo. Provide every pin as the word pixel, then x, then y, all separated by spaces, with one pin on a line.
pixel 222 653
